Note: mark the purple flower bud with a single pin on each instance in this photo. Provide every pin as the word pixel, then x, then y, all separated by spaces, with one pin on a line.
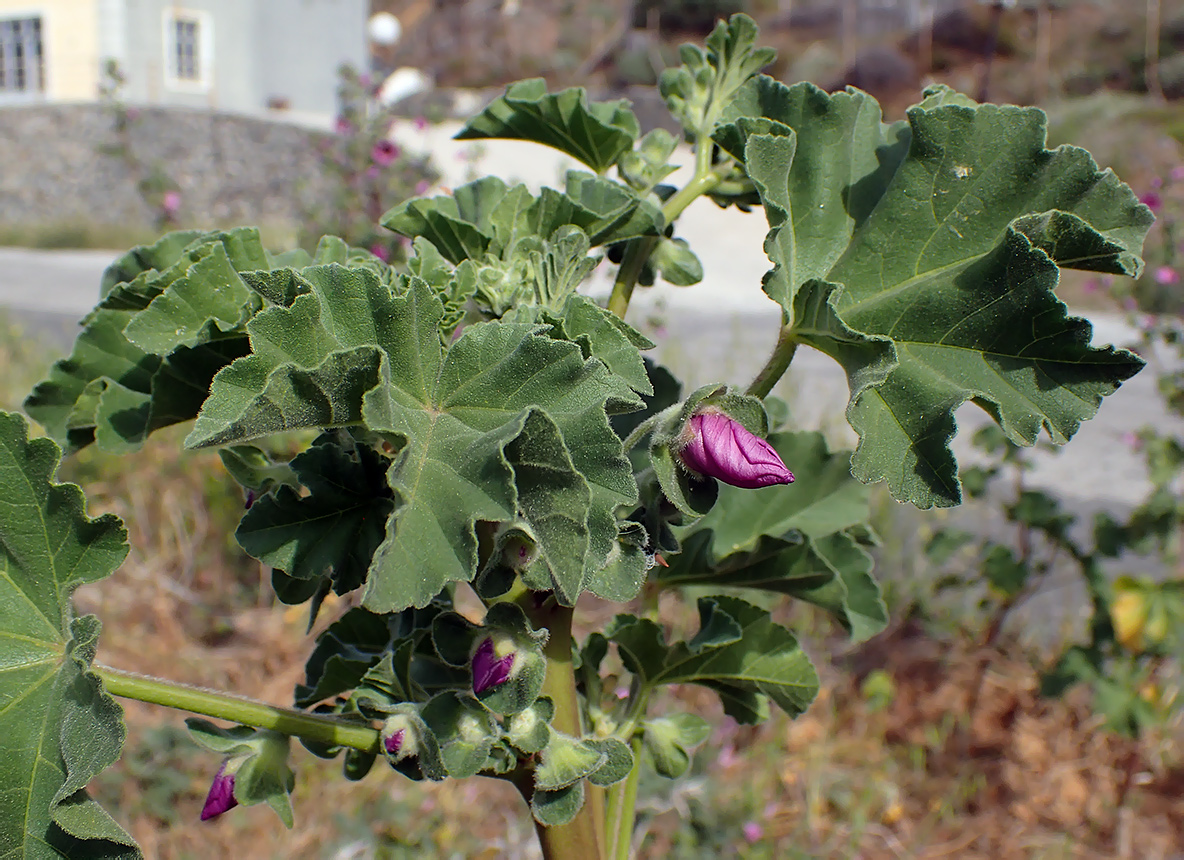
pixel 384 153
pixel 393 742
pixel 489 669
pixel 221 796
pixel 720 447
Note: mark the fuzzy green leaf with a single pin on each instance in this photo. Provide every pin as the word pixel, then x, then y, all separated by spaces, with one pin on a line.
pixel 792 539
pixel 739 652
pixel 948 254
pixel 596 134
pixel 58 727
pixel 333 529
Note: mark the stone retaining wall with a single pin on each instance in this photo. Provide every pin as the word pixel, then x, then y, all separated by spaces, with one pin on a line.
pixel 230 169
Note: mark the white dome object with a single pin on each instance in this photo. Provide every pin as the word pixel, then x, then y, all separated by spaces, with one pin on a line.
pixel 383 28
pixel 401 83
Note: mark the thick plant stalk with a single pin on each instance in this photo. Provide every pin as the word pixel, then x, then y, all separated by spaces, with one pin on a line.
pixel 582 838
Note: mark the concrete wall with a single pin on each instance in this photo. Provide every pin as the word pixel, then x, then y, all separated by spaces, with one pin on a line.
pixel 230 169
pixel 299 44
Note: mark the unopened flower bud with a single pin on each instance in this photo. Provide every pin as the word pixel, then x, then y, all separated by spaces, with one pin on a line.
pixel 490 668
pixel 221 796
pixel 399 738
pixel 720 447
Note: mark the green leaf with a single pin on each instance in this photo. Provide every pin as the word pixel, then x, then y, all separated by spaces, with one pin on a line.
pixel 455 469
pixel 464 730
pixel 207 301
pixel 676 262
pixel 699 90
pixel 552 808
pixel 670 739
pixel 488 220
pixel 255 470
pixel 648 164
pixel 739 652
pixel 618 761
pixel 794 539
pixel 260 756
pixel 116 392
pixel 949 257
pixel 610 339
pixel 58 726
pixel 566 760
pixel 820 163
pixel 344 653
pixel 596 134
pixel 334 527
pixel 147 258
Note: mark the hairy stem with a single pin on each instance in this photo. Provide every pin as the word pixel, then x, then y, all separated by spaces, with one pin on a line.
pixel 223 706
pixel 582 838
pixel 777 364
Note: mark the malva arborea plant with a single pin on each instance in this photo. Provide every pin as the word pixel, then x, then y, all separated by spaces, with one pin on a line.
pixel 472 421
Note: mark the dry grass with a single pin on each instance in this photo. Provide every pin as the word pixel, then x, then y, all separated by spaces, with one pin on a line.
pixel 929 775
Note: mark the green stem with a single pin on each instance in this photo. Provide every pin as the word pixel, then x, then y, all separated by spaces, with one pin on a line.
pixel 639 432
pixel 582 838
pixel 223 706
pixel 623 807
pixel 638 251
pixel 777 364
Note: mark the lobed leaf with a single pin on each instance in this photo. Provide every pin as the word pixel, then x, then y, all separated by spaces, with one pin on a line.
pixel 945 253
pixel 596 133
pixel 739 652
pixel 58 727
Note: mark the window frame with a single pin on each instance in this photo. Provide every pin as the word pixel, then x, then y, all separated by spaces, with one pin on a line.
pixel 204 57
pixel 20 16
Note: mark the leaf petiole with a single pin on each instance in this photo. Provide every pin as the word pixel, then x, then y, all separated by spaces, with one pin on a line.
pixel 248 712
pixel 777 364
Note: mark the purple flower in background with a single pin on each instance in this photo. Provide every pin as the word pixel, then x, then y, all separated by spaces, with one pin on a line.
pixel 421 123
pixel 752 832
pixel 132 114
pixel 422 187
pixel 380 251
pixel 1166 275
pixel 384 153
pixel 720 447
pixel 490 670
pixel 171 202
pixel 1091 285
pixel 343 126
pixel 221 796
pixel 1178 173
pixel 1152 200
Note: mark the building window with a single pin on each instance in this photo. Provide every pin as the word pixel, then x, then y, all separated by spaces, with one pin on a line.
pixel 188 50
pixel 22 61
pixel 186 58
